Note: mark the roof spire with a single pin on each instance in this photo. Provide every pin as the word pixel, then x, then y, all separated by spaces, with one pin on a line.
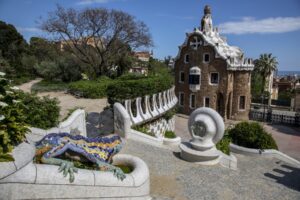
pixel 206 21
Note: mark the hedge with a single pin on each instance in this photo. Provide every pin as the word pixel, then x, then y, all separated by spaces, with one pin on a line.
pixel 90 88
pixel 252 135
pixel 121 89
pixel 40 112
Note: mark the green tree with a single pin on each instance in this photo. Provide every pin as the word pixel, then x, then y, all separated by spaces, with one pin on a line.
pixel 96 35
pixel 158 67
pixel 12 46
pixel 265 66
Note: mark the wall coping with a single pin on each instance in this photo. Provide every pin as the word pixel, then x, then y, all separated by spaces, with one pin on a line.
pixel 264 152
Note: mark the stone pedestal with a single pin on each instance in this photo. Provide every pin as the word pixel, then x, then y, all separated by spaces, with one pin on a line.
pixel 206 127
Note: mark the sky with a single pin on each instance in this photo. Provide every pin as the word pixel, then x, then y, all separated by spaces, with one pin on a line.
pixel 256 26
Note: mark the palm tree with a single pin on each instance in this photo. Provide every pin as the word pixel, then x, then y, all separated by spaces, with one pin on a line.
pixel 265 66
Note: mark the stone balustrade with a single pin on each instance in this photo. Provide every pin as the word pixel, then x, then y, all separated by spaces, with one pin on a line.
pixel 153 106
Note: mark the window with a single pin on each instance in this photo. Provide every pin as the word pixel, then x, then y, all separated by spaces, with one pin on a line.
pixel 206 102
pixel 206 58
pixel 192 100
pixel 186 58
pixel 214 78
pixel 242 103
pixel 181 98
pixel 194 79
pixel 181 77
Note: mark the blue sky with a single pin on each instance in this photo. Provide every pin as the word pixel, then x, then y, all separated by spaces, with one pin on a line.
pixel 256 26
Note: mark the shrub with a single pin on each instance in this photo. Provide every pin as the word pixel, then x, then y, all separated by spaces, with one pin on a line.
pixel 252 135
pixel 90 89
pixel 40 112
pixel 47 86
pixel 223 144
pixel 170 113
pixel 63 68
pixel 121 90
pixel 143 129
pixel 170 134
pixel 12 119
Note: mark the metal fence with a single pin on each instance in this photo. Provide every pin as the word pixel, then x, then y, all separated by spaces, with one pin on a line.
pixel 275 117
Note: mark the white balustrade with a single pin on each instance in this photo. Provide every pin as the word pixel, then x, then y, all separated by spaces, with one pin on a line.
pixel 161 103
pixel 154 112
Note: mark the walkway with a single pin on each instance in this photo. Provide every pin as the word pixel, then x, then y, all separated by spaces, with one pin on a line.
pixel 67 101
pixel 256 177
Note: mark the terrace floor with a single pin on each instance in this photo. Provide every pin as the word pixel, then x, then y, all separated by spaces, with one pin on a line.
pixel 256 177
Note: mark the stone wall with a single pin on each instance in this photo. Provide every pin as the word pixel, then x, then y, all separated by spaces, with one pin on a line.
pixel 241 87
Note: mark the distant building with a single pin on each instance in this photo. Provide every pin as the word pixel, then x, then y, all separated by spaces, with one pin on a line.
pixel 141 66
pixel 297 98
pixel 143 55
pixel 90 41
pixel 211 73
pixel 282 84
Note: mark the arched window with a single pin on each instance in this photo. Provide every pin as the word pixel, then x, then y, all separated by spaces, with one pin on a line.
pixel 186 58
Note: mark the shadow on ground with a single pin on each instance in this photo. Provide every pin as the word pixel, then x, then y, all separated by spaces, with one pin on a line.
pixel 100 124
pixel 286 129
pixel 286 175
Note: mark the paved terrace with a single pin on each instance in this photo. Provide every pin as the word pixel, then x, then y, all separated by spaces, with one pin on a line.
pixel 256 177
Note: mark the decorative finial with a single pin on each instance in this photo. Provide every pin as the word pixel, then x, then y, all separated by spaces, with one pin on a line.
pixel 206 21
pixel 207 10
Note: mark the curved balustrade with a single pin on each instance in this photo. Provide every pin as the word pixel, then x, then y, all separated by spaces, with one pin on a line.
pixel 166 100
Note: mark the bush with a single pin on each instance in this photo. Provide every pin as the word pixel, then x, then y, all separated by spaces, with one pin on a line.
pixel 90 89
pixel 47 86
pixel 170 134
pixel 64 69
pixel 223 144
pixel 12 119
pixel 40 112
pixel 120 90
pixel 252 135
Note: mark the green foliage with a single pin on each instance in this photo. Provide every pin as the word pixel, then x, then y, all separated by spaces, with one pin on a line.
pixel 143 129
pixel 12 119
pixel 158 67
pixel 223 144
pixel 120 90
pixel 63 68
pixel 6 158
pixel 286 95
pixel 170 134
pixel 12 46
pixel 41 112
pixel 90 88
pixel 170 113
pixel 47 86
pixel 126 169
pixel 265 65
pixel 252 135
pixel 256 84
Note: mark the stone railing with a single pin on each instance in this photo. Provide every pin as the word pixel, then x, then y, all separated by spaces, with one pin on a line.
pixel 154 106
pixel 75 125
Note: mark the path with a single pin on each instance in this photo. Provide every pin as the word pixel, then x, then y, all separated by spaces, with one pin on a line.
pixel 256 177
pixel 68 101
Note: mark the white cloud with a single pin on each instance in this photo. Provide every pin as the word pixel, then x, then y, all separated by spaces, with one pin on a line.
pixel 250 25
pixel 29 29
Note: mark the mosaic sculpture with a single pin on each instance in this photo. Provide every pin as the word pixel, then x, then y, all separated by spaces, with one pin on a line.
pixel 98 150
